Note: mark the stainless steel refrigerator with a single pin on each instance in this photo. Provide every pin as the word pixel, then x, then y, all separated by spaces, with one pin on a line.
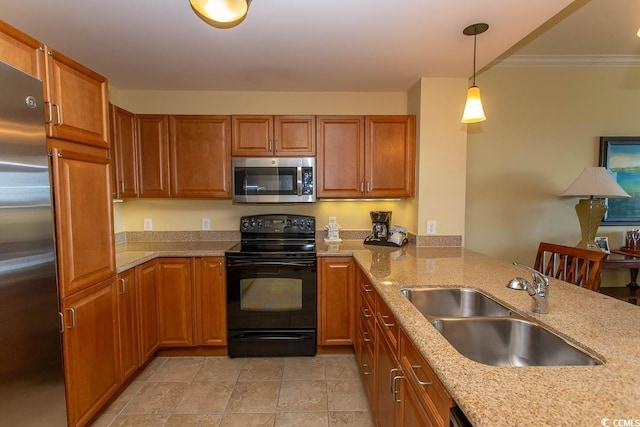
pixel 31 374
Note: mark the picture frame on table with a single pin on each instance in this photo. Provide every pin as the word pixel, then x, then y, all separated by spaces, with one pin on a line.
pixel 603 244
pixel 621 156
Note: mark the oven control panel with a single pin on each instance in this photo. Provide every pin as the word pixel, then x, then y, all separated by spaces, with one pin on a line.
pixel 278 223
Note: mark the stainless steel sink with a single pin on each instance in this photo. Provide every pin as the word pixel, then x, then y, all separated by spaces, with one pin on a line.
pixel 510 342
pixel 454 302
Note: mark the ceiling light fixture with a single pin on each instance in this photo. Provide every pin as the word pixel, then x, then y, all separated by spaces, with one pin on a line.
pixel 221 13
pixel 473 111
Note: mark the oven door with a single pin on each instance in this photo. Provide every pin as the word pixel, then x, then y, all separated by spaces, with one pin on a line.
pixel 267 293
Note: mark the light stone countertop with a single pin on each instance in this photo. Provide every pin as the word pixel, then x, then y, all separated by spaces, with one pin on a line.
pixel 488 395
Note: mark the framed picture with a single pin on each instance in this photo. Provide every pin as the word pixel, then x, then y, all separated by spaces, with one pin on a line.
pixel 621 156
pixel 603 244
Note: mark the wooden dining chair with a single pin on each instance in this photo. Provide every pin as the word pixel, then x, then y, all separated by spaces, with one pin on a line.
pixel 574 265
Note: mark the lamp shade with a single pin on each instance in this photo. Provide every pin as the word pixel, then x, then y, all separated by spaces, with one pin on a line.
pixel 221 13
pixel 473 111
pixel 595 182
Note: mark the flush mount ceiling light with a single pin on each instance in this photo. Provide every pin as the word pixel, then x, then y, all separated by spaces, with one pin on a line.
pixel 221 13
pixel 473 111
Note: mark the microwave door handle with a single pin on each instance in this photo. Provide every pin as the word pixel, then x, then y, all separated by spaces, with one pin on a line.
pixel 299 179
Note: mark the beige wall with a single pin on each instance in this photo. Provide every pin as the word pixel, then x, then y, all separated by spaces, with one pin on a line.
pixel 542 129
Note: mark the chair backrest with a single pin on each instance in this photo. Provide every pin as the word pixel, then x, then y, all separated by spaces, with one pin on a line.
pixel 574 265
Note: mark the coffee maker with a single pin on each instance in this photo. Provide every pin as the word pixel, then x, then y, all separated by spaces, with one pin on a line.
pixel 380 228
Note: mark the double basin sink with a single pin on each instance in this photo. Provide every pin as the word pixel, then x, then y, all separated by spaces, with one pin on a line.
pixel 486 331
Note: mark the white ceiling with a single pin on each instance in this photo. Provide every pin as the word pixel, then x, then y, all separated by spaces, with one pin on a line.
pixel 314 45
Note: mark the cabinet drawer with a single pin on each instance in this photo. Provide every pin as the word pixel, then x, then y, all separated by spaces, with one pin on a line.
pixel 366 288
pixel 366 311
pixel 388 324
pixel 424 381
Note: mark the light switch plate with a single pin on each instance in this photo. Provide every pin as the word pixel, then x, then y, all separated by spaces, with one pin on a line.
pixel 206 224
pixel 431 227
pixel 148 224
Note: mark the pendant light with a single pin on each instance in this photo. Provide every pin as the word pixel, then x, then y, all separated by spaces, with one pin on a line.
pixel 473 111
pixel 221 13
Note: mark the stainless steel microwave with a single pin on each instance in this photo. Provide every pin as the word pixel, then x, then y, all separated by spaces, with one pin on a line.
pixel 274 179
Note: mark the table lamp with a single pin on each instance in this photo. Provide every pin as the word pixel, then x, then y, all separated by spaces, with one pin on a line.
pixel 597 184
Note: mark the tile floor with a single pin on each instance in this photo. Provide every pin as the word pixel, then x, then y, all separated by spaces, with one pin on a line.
pixel 324 390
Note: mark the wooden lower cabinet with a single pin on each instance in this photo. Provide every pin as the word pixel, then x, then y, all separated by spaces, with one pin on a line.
pixel 336 300
pixel 175 302
pixel 147 292
pixel 389 382
pixel 211 313
pixel 128 324
pixel 91 350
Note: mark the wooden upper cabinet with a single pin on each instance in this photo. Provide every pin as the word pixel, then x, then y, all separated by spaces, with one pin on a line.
pixel 152 131
pixel 389 156
pixel 200 156
pixel 21 51
pixel 84 215
pixel 340 160
pixel 78 101
pixel 273 136
pixel 366 156
pixel 124 151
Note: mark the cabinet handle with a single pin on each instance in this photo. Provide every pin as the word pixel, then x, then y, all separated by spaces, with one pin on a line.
pixel 57 122
pixel 49 117
pixel 366 288
pixel 270 145
pixel 275 145
pixel 41 48
pixel 368 186
pixel 123 286
pixel 220 268
pixel 121 186
pixel 365 367
pixel 362 186
pixel 227 187
pixel 364 335
pixel 49 52
pixel 73 317
pixel 382 317
pixel 366 313
pixel 395 389
pixel 415 375
pixel 391 376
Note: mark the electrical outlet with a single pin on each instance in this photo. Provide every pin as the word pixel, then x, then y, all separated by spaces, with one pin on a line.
pixel 431 265
pixel 431 227
pixel 206 224
pixel 148 224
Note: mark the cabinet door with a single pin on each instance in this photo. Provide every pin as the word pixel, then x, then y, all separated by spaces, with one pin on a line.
pixel 389 156
pixel 175 293
pixel 340 161
pixel 336 294
pixel 128 324
pixel 153 155
pixel 252 136
pixel 200 156
pixel 147 287
pixel 91 358
pixel 211 302
pixel 388 387
pixel 79 101
pixel 294 136
pixel 21 51
pixel 125 155
pixel 412 413
pixel 83 217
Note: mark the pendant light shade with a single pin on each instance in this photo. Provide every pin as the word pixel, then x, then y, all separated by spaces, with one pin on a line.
pixel 473 111
pixel 221 13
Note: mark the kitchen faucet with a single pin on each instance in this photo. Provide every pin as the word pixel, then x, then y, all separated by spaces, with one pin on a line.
pixel 539 290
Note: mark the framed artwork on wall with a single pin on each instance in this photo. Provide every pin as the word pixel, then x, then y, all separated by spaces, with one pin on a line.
pixel 621 156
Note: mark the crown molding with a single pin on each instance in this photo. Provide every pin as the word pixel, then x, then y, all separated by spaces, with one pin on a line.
pixel 550 61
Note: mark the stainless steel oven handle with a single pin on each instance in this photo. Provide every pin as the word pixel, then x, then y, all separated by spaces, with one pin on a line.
pixel 299 179
pixel 235 264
